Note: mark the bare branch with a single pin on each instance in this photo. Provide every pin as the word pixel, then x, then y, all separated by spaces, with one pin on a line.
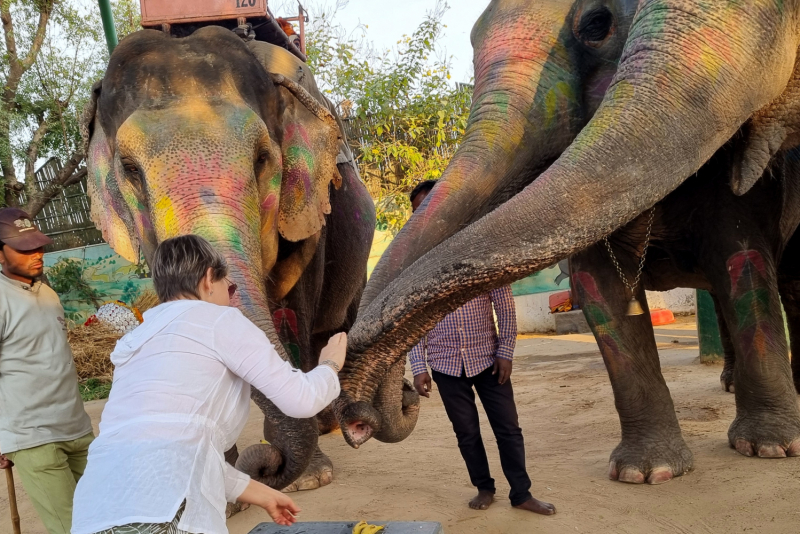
pixel 32 154
pixel 69 174
pixel 46 7
pixel 8 30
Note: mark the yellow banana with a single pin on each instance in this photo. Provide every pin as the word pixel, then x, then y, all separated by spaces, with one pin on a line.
pixel 364 528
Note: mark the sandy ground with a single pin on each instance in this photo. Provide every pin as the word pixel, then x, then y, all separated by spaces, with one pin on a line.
pixel 568 418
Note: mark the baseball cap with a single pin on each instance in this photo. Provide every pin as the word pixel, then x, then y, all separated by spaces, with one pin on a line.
pixel 18 232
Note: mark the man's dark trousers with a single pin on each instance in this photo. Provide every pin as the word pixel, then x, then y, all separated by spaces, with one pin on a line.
pixel 498 401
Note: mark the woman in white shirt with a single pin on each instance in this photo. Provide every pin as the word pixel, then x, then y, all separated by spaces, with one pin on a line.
pixel 181 397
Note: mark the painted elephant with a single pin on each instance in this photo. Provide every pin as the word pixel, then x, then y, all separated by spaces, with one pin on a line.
pixel 195 135
pixel 589 120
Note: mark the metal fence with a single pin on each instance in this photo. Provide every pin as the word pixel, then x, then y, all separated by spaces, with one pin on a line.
pixel 65 219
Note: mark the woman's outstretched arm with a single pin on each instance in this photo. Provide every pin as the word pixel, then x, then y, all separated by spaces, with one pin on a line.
pixel 248 353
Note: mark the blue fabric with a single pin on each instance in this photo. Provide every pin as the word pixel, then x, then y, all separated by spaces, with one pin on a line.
pixel 467 340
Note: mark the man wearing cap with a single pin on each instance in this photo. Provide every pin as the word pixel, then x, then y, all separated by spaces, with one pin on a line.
pixel 44 429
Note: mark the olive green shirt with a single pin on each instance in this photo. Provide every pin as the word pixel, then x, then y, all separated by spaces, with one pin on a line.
pixel 39 398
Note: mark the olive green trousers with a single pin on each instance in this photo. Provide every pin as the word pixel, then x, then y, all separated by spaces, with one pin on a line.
pixel 49 474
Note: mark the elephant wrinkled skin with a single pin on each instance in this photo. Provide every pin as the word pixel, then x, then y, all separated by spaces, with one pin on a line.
pixel 195 135
pixel 585 116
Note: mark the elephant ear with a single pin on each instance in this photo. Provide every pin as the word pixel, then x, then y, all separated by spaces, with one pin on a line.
pixel 309 149
pixel 774 127
pixel 106 200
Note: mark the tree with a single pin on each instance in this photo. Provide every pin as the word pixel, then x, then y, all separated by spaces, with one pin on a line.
pixel 66 278
pixel 54 51
pixel 406 115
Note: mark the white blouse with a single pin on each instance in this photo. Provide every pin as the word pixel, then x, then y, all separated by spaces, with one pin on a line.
pixel 180 398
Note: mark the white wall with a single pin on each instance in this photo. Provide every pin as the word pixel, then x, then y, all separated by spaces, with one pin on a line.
pixel 533 311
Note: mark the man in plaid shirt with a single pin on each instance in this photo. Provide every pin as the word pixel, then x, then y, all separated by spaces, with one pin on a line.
pixel 465 351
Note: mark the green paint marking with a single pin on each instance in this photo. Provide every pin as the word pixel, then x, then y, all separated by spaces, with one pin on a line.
pixel 298 153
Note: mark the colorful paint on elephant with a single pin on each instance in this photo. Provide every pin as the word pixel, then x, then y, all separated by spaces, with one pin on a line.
pixel 601 320
pixel 285 321
pixel 521 77
pixel 750 294
pixel 298 164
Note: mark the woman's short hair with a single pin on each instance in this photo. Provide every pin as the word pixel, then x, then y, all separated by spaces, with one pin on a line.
pixel 180 263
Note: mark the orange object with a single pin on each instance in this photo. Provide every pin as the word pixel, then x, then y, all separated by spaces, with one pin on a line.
pixel 286 26
pixel 155 12
pixel 557 301
pixel 660 316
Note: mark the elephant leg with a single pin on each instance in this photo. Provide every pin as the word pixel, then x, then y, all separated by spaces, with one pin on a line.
pixel 790 293
pixel 767 422
pixel 319 473
pixel 652 448
pixel 789 287
pixel 726 378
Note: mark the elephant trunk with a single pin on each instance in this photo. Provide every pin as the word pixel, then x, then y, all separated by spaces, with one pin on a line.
pixel 677 97
pixel 507 112
pixel 488 169
pixel 233 229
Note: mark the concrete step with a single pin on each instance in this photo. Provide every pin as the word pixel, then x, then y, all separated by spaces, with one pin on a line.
pixel 571 322
pixel 339 527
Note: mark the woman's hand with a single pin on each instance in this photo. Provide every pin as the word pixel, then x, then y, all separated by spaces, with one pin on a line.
pixel 278 505
pixel 335 350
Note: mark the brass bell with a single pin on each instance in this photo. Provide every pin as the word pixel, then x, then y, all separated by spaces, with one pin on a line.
pixel 634 308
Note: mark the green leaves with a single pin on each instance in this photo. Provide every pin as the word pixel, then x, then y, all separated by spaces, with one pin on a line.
pixel 48 79
pixel 66 278
pixel 405 116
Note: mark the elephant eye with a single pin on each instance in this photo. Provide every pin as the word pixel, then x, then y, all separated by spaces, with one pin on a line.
pixel 132 172
pixel 595 27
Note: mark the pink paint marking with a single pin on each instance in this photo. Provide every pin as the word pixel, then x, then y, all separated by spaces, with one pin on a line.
pixel 269 202
pixel 296 129
pixel 586 283
pixel 736 267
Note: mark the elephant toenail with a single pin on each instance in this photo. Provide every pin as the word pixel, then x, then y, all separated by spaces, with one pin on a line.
pixel 794 448
pixel 659 475
pixel 613 474
pixel 631 475
pixel 771 451
pixel 744 447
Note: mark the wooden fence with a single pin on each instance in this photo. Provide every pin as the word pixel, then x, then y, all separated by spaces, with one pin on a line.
pixel 65 219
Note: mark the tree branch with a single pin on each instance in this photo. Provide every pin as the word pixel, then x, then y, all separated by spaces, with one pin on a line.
pixel 45 8
pixel 32 154
pixel 69 174
pixel 8 31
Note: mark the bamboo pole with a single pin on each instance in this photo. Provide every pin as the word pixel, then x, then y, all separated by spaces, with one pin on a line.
pixel 12 501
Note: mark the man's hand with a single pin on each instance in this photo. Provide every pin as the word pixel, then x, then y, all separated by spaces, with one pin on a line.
pixel 5 463
pixel 422 383
pixel 502 368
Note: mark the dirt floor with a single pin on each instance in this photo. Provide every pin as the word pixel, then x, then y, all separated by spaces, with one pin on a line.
pixel 570 425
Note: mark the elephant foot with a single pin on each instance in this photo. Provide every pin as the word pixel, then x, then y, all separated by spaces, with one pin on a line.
pixel 653 462
pixel 319 473
pixel 726 380
pixel 766 435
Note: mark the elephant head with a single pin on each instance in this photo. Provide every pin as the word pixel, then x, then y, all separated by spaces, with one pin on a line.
pixel 194 136
pixel 585 114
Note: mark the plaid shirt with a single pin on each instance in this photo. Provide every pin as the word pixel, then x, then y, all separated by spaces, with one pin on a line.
pixel 466 340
